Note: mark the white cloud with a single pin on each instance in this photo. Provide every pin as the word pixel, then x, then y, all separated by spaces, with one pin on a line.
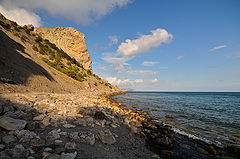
pixel 117 62
pixel 81 11
pixel 119 82
pixel 144 43
pixel 125 83
pixel 149 63
pixel 138 81
pixel 217 47
pixel 179 58
pixel 155 80
pixel 21 16
pixel 142 72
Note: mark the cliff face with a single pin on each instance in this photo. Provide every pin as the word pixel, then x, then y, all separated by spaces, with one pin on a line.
pixel 69 40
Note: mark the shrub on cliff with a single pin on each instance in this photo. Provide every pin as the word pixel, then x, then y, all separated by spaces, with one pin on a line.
pixel 38 39
pixel 35 48
pixel 5 25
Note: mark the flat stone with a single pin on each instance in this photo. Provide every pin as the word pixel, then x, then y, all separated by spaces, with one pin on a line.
pixel 58 142
pixel 47 155
pixel 69 126
pixel 80 122
pixel 48 149
pixel 70 146
pixel 68 155
pixel 106 137
pixel 9 123
pixel 8 139
pixel 63 133
pixel 37 142
pixel 39 117
pixel 53 135
pixel 113 125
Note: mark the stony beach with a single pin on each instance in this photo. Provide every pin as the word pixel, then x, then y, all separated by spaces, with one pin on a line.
pixel 87 125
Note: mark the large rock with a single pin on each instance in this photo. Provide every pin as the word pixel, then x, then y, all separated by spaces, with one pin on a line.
pixel 106 137
pixel 69 40
pixel 12 124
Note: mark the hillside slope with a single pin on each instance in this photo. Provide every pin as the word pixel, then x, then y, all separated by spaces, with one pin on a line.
pixel 30 63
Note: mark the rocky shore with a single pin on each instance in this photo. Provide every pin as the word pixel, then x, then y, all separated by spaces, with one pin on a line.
pixel 88 125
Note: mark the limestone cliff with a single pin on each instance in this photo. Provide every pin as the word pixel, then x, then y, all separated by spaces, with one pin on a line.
pixel 69 40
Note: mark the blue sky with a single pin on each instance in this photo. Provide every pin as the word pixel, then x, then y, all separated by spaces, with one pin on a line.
pixel 172 45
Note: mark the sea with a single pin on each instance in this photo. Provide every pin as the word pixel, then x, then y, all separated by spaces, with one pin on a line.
pixel 213 117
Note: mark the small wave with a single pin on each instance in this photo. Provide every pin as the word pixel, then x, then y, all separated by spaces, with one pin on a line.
pixel 178 131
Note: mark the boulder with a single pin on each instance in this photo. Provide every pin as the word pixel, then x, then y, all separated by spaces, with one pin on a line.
pixel 9 123
pixel 106 137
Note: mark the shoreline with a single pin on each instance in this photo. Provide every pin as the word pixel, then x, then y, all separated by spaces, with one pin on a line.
pixel 93 124
pixel 209 148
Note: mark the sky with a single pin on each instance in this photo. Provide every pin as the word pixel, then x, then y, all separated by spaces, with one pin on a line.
pixel 149 45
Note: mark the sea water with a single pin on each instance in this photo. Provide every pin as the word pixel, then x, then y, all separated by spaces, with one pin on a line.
pixel 213 117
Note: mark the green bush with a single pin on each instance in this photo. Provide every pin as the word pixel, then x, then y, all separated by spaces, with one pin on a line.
pixel 16 34
pixel 16 28
pixel 95 83
pixel 23 38
pixel 5 25
pixel 35 48
pixel 89 72
pixel 27 30
pixel 39 39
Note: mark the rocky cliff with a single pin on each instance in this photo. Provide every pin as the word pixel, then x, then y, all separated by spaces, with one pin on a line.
pixel 69 40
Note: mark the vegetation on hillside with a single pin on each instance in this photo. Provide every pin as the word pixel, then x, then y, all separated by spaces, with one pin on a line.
pixel 50 53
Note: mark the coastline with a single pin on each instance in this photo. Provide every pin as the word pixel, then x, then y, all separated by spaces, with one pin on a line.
pixel 89 125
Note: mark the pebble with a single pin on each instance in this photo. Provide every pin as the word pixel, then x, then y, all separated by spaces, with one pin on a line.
pixel 58 142
pixel 8 139
pixel 70 146
pixel 68 155
pixel 69 126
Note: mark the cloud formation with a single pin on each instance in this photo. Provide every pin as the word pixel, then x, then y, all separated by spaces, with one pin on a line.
pixel 217 47
pixel 81 11
pixel 124 83
pixel 21 16
pixel 149 63
pixel 138 81
pixel 179 58
pixel 155 80
pixel 144 43
pixel 119 82
pixel 142 72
